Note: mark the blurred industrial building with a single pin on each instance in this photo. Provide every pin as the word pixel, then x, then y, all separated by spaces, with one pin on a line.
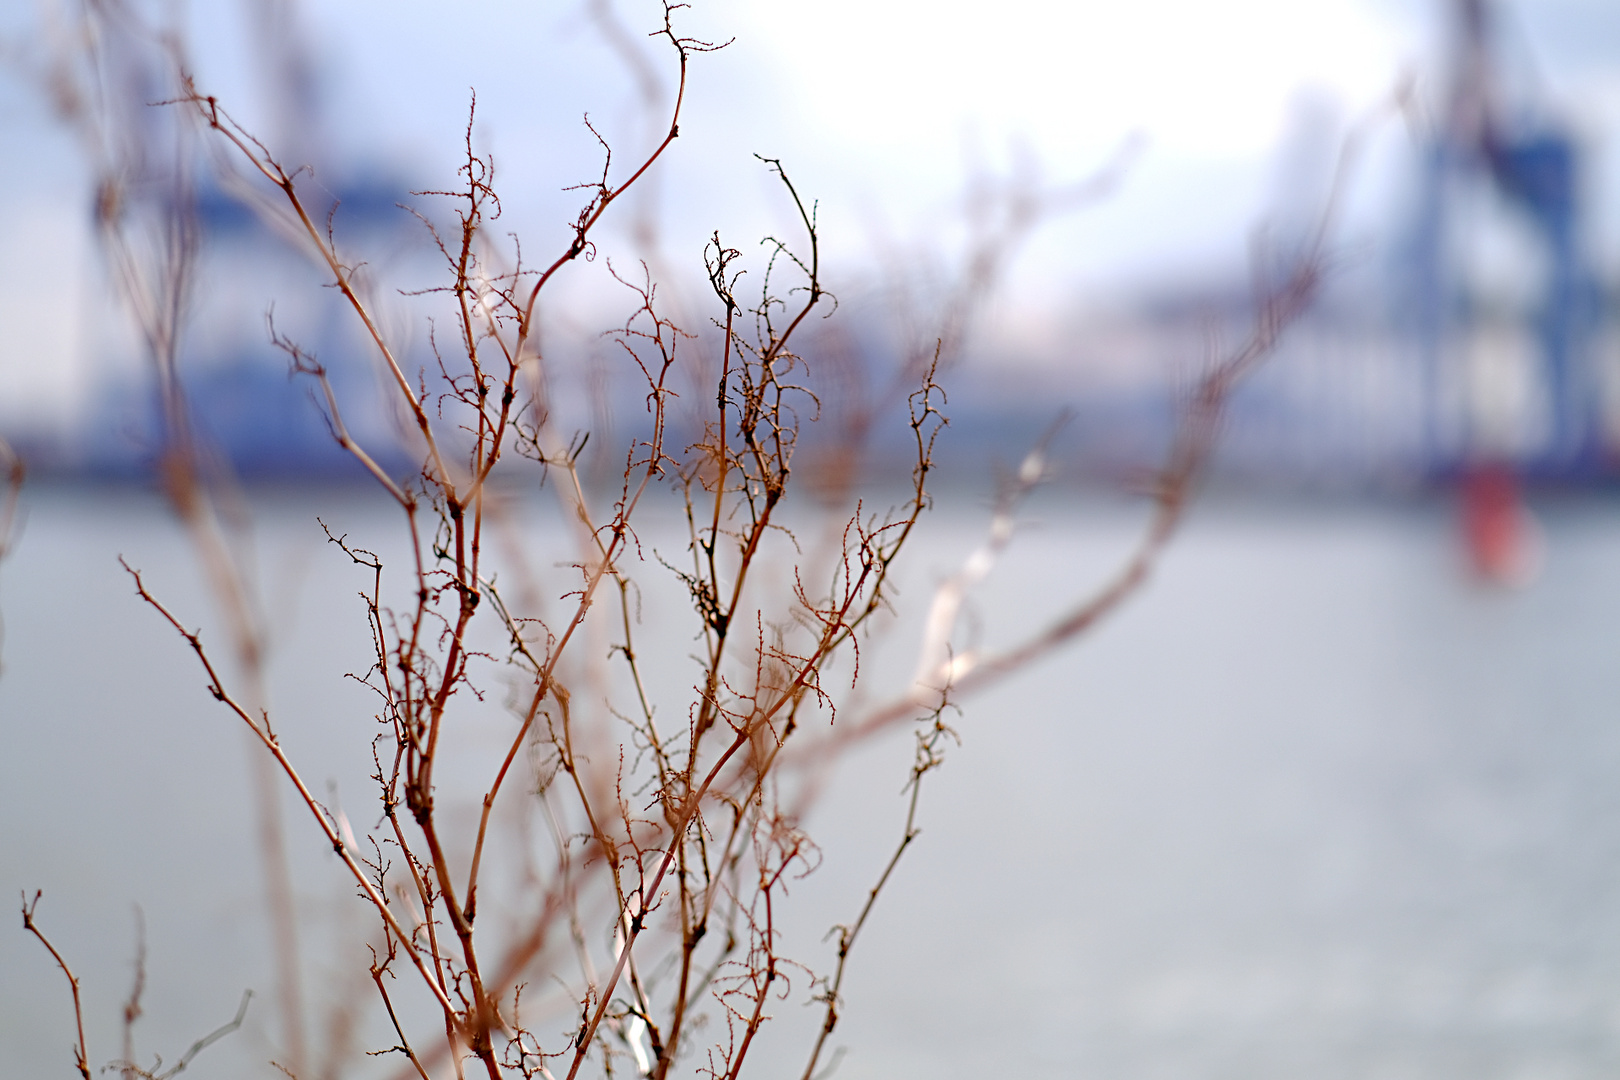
pixel 1482 337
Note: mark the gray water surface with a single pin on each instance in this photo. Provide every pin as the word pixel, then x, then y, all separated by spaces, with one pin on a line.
pixel 1313 806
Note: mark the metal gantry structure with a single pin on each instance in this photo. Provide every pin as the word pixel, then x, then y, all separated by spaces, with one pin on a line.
pixel 1505 304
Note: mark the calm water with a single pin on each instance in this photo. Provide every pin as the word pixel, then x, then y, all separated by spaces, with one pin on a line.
pixel 1312 807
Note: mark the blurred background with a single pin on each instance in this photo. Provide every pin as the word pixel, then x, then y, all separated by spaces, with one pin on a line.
pixel 1105 189
pixel 1335 797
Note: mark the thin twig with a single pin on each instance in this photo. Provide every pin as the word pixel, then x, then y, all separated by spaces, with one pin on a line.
pixel 80 1059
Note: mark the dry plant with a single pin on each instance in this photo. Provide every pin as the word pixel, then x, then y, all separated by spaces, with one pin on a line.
pixel 103 65
pixel 653 927
pixel 12 466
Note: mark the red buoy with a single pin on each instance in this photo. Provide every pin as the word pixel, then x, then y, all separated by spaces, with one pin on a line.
pixel 1502 539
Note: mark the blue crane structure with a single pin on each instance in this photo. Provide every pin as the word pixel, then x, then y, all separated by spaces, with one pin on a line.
pixel 1529 161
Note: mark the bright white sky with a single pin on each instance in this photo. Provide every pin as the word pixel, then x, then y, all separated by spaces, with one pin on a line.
pixel 878 104
pixel 878 107
pixel 1204 78
pixel 900 90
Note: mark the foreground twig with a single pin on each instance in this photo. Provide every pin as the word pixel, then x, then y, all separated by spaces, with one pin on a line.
pixel 929 757
pixel 946 677
pixel 80 1060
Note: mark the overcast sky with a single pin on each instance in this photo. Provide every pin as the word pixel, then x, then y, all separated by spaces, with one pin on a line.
pixel 881 109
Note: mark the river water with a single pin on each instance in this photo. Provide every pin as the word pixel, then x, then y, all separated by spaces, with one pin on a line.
pixel 1313 806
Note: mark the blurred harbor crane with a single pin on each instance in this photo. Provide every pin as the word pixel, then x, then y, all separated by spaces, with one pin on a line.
pixel 1504 302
